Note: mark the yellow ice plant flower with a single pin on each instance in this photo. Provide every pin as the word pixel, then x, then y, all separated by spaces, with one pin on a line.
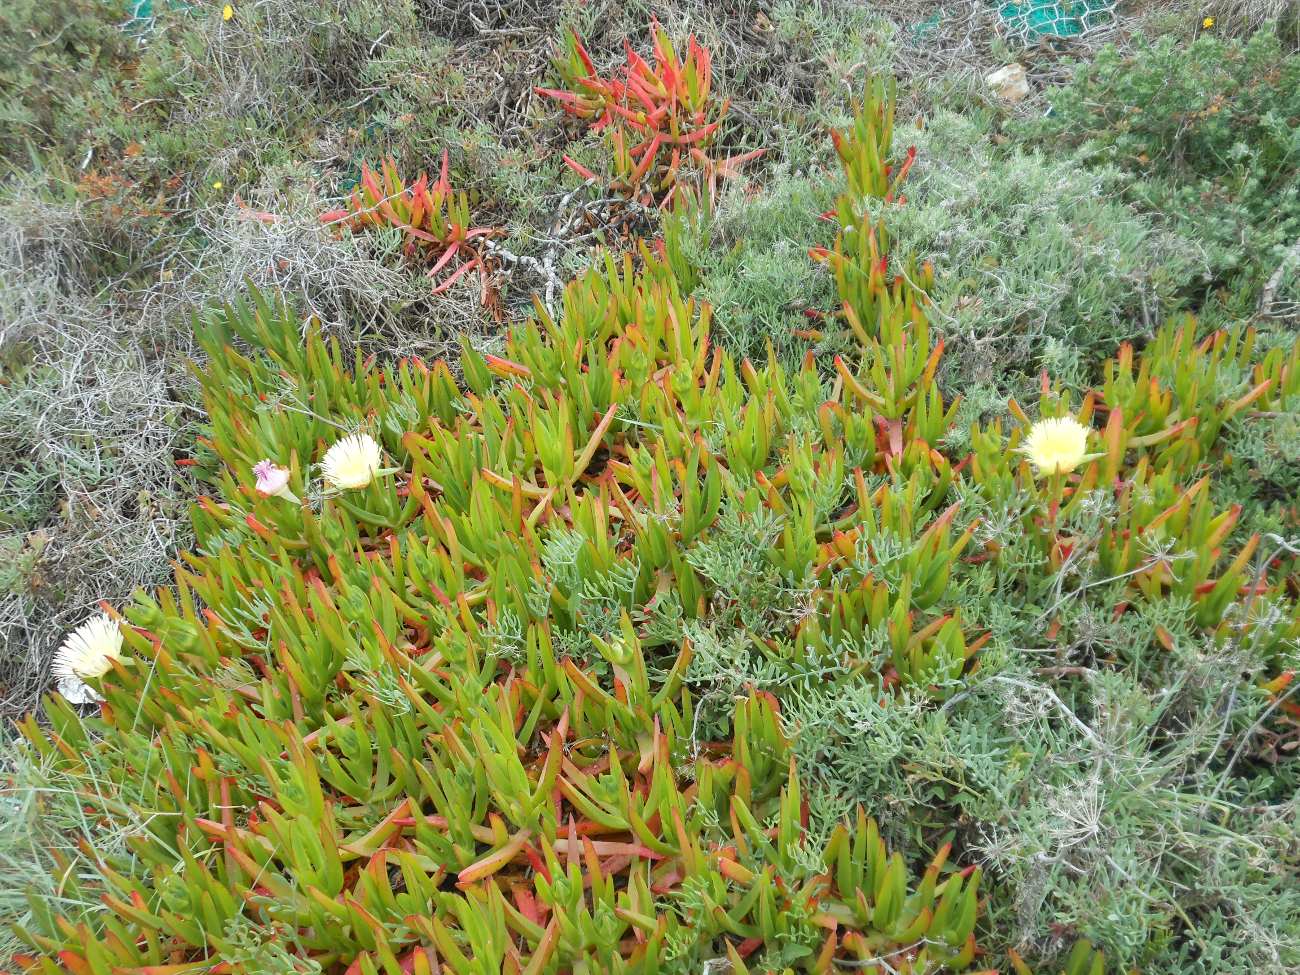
pixel 351 463
pixel 1207 23
pixel 227 12
pixel 1056 445
pixel 89 651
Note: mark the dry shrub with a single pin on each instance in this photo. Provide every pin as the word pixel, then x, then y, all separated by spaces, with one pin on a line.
pixel 92 418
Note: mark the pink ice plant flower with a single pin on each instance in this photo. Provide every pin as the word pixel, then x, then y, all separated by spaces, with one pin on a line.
pixel 273 481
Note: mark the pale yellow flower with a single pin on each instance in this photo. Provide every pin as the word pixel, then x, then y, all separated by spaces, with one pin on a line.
pixel 227 12
pixel 351 463
pixel 217 185
pixel 1057 445
pixel 89 651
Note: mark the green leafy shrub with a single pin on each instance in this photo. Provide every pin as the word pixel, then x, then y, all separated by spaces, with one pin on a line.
pixel 1209 130
pixel 56 66
pixel 750 262
pixel 1039 266
pixel 211 100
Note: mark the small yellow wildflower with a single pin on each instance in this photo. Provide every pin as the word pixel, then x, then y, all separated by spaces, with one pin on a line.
pixel 1057 445
pixel 217 184
pixel 1207 23
pixel 227 12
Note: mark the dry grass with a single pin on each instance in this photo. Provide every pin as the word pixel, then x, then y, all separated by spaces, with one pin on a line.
pixel 358 287
pixel 92 418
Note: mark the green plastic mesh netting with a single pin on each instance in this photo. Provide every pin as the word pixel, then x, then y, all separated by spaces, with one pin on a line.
pixel 1033 19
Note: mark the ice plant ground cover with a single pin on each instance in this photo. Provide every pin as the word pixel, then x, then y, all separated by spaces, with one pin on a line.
pixel 532 699
pixel 656 120
pixel 689 619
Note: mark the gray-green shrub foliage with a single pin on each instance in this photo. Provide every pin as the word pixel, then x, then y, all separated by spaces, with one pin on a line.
pixel 1031 251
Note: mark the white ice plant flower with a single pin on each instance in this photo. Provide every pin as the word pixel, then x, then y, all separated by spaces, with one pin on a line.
pixel 351 463
pixel 1057 445
pixel 273 481
pixel 89 651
